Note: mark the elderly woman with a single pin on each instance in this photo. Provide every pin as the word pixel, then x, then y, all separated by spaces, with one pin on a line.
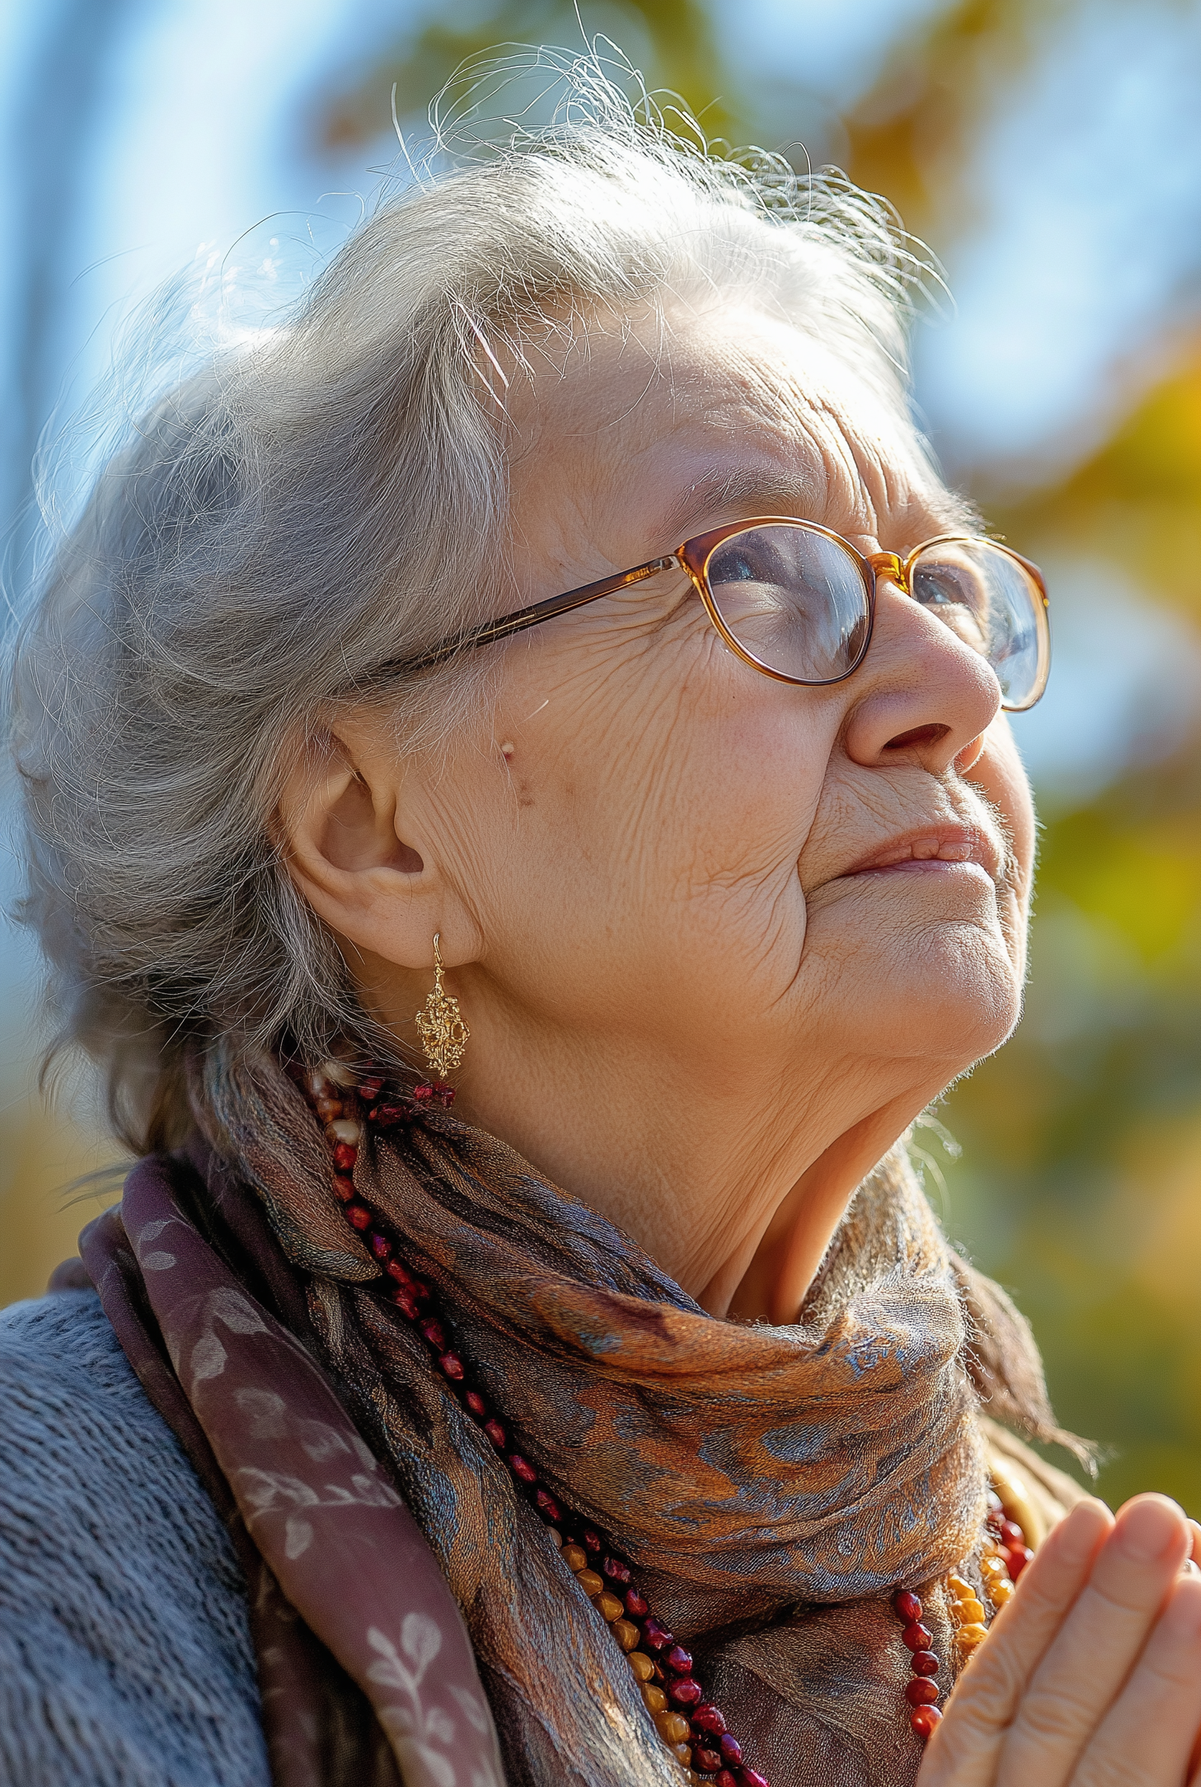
pixel 555 630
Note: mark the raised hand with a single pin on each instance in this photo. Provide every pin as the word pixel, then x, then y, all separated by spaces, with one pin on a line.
pixel 1091 1676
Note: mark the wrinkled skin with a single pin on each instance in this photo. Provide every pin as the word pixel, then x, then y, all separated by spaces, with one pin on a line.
pixel 686 1007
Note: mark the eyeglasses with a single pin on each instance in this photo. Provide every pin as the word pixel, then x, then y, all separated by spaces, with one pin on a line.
pixel 798 602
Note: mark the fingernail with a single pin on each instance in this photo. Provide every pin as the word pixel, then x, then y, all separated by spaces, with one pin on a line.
pixel 1150 1527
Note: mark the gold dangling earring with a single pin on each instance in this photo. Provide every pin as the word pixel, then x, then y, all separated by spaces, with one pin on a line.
pixel 440 1024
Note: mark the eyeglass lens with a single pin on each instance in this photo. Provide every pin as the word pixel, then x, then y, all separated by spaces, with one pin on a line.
pixel 794 600
pixel 797 603
pixel 992 603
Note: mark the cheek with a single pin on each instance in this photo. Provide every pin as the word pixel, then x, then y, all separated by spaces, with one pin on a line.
pixel 1001 777
pixel 702 786
pixel 669 802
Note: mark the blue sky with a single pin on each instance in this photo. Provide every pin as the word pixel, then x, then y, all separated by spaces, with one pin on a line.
pixel 1087 242
pixel 1087 188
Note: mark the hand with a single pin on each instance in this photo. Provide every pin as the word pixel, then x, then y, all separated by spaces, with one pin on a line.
pixel 1091 1676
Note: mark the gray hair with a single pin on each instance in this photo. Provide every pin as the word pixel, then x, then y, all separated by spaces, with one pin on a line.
pixel 308 509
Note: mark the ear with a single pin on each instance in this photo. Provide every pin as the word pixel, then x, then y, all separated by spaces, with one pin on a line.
pixel 356 852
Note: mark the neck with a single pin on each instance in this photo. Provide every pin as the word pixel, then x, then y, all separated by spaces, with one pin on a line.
pixel 734 1183
pixel 794 1240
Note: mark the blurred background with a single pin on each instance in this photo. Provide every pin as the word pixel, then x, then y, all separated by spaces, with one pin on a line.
pixel 1048 152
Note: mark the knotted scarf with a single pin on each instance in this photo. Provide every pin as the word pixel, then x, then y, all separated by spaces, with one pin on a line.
pixel 771 1485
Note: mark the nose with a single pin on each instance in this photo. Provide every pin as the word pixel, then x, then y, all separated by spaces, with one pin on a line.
pixel 923 695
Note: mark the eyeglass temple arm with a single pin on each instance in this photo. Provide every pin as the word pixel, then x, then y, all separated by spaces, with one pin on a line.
pixel 530 617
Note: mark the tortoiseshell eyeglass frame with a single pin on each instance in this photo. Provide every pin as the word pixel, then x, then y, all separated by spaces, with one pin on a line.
pixel 693 557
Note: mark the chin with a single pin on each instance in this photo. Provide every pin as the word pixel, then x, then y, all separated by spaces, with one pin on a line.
pixel 950 994
pixel 959 992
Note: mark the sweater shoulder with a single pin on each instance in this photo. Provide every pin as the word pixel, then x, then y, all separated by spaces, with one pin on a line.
pixel 125 1650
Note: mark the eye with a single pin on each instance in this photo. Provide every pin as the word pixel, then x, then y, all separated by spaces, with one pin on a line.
pixel 741 566
pixel 946 586
pixel 755 562
pixel 953 589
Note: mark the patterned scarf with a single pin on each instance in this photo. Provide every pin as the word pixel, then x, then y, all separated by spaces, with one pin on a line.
pixel 772 1485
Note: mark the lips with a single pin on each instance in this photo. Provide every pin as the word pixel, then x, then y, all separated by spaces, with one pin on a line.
pixel 931 846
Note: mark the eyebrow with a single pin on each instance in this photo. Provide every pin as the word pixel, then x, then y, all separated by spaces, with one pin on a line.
pixel 764 490
pixel 767 490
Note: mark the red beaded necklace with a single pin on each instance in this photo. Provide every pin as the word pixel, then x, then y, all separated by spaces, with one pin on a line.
pixel 693 1728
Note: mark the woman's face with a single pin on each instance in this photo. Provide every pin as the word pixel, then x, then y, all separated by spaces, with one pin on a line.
pixel 662 872
pixel 708 852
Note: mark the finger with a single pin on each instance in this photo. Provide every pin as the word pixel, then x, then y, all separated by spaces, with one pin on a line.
pixel 1194 1768
pixel 1090 1657
pixel 1149 1734
pixel 965 1747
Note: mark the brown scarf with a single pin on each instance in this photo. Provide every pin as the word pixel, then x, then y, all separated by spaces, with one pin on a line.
pixel 772 1485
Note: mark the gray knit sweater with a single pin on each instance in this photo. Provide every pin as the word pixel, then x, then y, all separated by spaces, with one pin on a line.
pixel 125 1654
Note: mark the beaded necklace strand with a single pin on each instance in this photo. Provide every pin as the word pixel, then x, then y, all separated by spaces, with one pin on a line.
pixel 692 1727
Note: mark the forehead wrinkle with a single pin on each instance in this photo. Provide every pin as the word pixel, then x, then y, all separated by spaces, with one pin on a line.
pixel 847 493
pixel 798 435
pixel 906 496
pixel 751 451
pixel 763 490
pixel 872 481
pixel 684 439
